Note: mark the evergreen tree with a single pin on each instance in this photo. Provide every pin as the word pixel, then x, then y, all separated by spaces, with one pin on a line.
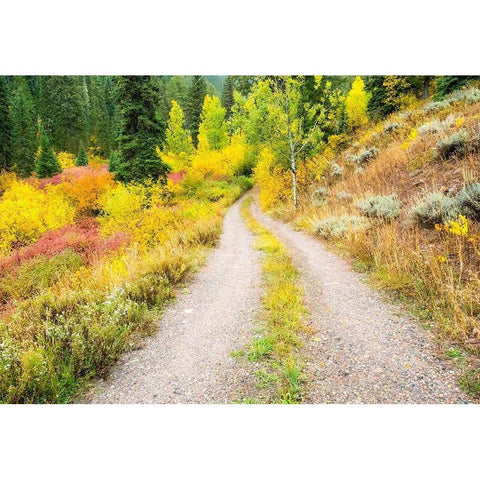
pixel 82 158
pixel 194 105
pixel 101 120
pixel 139 130
pixel 227 95
pixel 447 84
pixel 5 126
pixel 177 90
pixel 24 129
pixel 47 162
pixel 64 111
pixel 377 108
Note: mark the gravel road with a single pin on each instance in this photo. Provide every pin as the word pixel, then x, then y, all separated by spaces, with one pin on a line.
pixel 188 360
pixel 364 349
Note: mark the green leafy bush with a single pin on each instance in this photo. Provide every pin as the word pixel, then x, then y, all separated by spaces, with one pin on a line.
pixel 383 207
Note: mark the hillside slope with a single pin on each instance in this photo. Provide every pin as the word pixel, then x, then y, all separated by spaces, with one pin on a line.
pixel 404 201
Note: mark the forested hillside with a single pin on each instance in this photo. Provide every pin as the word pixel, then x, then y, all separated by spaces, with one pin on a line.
pixel 112 188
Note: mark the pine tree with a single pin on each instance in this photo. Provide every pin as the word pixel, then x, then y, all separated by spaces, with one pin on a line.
pixel 64 111
pixel 193 110
pixel 176 89
pixel 24 129
pixel 377 107
pixel 356 104
pixel 101 120
pixel 447 84
pixel 5 126
pixel 82 158
pixel 47 162
pixel 139 130
pixel 227 95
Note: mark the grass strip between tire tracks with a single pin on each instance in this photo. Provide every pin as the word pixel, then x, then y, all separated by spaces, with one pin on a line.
pixel 282 315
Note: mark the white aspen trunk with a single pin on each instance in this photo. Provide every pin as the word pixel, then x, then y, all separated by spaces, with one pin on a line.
pixel 292 152
pixel 294 179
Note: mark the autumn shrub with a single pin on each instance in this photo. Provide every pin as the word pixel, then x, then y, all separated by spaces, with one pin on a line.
pixel 86 188
pixel 454 145
pixel 469 96
pixel 382 207
pixel 77 319
pixel 37 274
pixel 27 212
pixel 436 125
pixel 436 106
pixel 66 159
pixel 274 180
pixel 83 238
pixel 340 226
pixel 432 209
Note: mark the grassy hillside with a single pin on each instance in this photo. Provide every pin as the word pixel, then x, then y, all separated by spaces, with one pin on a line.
pixel 403 199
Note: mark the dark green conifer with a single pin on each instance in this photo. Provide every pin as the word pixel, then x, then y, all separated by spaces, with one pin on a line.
pixel 194 106
pixel 5 126
pixel 24 129
pixel 47 162
pixel 139 131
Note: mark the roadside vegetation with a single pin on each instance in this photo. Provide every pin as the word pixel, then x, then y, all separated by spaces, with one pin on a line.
pixel 401 197
pixel 277 348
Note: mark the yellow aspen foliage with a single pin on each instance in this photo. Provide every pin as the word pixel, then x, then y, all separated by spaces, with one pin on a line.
pixel 67 160
pixel 398 92
pixel 356 104
pixel 212 131
pixel 27 212
pixel 275 182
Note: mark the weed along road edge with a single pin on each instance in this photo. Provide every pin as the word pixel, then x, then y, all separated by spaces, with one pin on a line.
pixel 189 359
pixel 364 349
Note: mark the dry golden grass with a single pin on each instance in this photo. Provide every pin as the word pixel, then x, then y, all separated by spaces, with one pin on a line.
pixel 437 270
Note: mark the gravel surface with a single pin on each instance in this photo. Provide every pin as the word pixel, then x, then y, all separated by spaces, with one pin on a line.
pixel 363 349
pixel 188 360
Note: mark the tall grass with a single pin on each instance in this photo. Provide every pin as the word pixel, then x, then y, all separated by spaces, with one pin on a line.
pixel 435 269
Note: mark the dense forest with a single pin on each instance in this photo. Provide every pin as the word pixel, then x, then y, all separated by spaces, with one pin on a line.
pixel 112 189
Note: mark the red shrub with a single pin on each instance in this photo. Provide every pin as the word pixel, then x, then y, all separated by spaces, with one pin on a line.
pixel 83 237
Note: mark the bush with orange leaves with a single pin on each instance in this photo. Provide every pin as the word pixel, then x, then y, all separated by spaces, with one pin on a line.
pixel 85 187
